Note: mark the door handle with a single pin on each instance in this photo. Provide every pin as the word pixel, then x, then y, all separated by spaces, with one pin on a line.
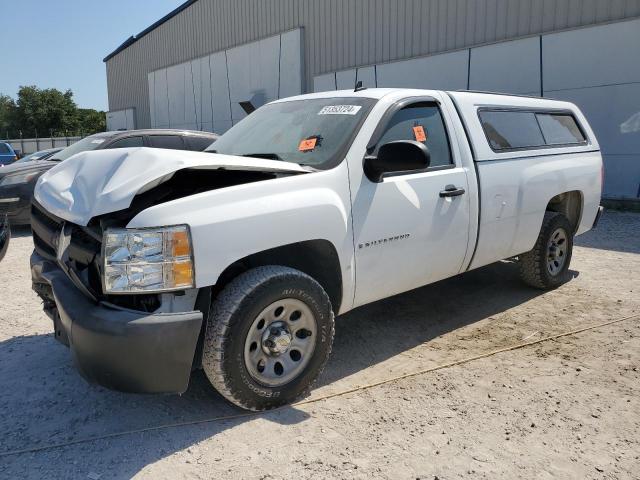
pixel 451 191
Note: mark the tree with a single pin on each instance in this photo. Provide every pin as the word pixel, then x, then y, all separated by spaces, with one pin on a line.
pixel 7 112
pixel 42 112
pixel 91 121
pixel 45 112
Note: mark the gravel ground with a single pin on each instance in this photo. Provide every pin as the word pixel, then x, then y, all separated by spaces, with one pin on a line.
pixel 567 408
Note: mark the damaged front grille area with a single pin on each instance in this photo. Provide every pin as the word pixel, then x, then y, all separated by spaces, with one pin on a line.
pixel 84 258
pixel 83 250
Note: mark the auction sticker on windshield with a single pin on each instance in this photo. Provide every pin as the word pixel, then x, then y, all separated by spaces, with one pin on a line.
pixel 340 110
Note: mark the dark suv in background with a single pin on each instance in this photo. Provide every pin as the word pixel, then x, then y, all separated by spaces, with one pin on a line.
pixel 17 181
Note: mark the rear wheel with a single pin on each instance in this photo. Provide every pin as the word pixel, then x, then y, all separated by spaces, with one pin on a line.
pixel 268 337
pixel 546 266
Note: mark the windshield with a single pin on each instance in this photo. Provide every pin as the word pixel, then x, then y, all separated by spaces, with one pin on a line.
pixel 34 156
pixel 313 132
pixel 86 144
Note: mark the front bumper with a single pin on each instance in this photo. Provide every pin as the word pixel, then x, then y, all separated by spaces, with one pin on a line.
pixel 15 202
pixel 118 348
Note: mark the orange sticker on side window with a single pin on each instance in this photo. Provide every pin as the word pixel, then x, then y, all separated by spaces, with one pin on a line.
pixel 418 132
pixel 307 144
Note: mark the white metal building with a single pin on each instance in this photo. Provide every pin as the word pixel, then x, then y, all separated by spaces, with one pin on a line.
pixel 192 68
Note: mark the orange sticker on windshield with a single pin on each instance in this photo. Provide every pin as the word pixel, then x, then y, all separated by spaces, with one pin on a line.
pixel 418 132
pixel 307 144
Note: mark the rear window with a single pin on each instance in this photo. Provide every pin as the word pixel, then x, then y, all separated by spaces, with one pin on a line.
pixel 171 142
pixel 4 148
pixel 128 142
pixel 512 130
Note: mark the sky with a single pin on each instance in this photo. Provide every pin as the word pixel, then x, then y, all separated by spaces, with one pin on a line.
pixel 60 44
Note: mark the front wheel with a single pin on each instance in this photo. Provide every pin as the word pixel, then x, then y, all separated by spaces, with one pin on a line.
pixel 268 338
pixel 546 266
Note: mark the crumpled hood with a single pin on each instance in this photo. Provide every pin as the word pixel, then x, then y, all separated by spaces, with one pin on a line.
pixel 94 183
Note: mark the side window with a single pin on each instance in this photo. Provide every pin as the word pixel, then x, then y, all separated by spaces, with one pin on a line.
pixel 507 130
pixel 172 142
pixel 198 144
pixel 4 148
pixel 560 129
pixel 411 122
pixel 127 143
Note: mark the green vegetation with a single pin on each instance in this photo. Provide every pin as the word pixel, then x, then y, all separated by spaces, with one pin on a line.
pixel 46 112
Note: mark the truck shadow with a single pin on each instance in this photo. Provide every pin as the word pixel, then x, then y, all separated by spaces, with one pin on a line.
pixel 44 401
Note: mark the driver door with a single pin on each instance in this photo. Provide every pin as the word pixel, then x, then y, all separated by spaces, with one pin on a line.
pixel 409 231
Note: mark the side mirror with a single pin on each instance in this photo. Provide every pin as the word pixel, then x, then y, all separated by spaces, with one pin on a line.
pixel 5 236
pixel 395 157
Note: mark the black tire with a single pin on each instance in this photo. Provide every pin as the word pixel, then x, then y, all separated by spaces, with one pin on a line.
pixel 534 269
pixel 232 315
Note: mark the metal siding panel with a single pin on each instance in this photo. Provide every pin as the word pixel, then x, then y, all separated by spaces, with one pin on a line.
pixel 562 14
pixel 509 67
pixel 511 18
pixel 603 10
pixel 206 108
pixel 379 32
pixel 340 35
pixel 613 112
pixel 391 22
pixel 549 14
pixel 622 174
pixel 152 96
pixel 220 91
pixel 480 23
pixel 470 24
pixel 367 75
pixel 537 8
pixel 162 98
pixel 502 8
pixel 447 71
pixel 416 27
pixel 632 8
pixel 588 14
pixel 253 73
pixel 176 94
pixel 190 114
pixel 575 12
pixel 569 57
pixel 324 83
pixel 346 79
pixel 290 69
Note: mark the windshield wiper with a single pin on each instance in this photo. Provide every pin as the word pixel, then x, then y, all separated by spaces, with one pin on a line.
pixel 267 156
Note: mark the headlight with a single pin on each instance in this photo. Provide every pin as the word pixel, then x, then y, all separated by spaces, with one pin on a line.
pixel 18 178
pixel 147 260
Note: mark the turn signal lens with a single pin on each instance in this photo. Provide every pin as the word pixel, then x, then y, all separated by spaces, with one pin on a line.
pixel 180 245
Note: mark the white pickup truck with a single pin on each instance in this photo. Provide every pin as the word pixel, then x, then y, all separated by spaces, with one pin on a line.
pixel 153 263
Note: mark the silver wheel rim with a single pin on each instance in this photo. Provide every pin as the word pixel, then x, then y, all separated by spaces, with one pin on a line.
pixel 280 342
pixel 557 251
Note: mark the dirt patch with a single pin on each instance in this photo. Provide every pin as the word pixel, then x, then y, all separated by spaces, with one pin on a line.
pixel 567 408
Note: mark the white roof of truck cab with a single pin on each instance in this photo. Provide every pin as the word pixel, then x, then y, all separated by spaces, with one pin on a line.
pixel 467 104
